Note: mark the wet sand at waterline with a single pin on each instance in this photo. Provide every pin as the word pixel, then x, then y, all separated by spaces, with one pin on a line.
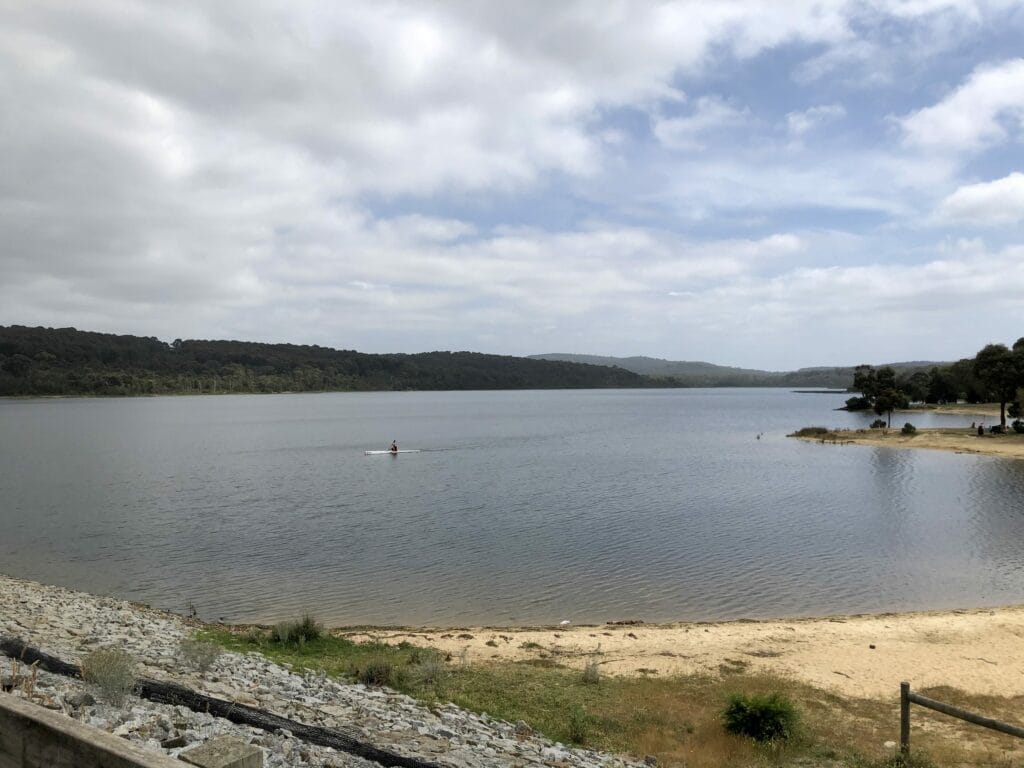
pixel 958 440
pixel 978 651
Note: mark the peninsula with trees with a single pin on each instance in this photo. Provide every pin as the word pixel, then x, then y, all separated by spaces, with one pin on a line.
pixel 990 384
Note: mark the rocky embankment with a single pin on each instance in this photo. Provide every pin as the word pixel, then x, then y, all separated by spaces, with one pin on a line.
pixel 70 624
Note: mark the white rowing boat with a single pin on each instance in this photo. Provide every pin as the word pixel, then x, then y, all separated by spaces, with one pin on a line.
pixel 381 453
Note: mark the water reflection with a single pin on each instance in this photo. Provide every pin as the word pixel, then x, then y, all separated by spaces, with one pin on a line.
pixel 529 507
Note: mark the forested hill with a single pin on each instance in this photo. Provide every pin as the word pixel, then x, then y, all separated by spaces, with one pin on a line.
pixel 65 361
pixel 698 374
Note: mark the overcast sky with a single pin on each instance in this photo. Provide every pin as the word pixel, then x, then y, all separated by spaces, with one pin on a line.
pixel 767 184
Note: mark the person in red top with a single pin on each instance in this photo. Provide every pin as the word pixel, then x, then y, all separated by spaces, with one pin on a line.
pixel 394 447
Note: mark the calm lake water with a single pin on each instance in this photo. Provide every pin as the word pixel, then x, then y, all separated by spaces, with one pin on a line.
pixel 525 507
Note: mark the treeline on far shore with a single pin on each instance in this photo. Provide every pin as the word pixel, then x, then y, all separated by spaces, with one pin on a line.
pixel 994 375
pixel 65 361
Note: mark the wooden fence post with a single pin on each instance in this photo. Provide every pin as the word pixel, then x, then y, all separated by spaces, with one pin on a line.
pixel 905 719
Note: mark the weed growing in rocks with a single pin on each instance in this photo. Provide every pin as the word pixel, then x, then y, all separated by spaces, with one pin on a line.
pixel 112 672
pixel 199 654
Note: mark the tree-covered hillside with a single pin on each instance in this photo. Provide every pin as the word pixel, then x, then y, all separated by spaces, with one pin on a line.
pixel 66 361
pixel 698 374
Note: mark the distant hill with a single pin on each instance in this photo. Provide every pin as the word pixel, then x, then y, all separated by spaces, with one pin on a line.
pixel 699 374
pixel 66 361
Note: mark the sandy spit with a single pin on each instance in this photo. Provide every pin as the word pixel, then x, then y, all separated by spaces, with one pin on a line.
pixel 962 440
pixel 979 651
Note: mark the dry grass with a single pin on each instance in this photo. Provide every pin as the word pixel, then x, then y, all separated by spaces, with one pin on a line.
pixel 678 719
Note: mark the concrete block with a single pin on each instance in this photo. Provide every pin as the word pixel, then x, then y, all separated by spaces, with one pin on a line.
pixel 224 752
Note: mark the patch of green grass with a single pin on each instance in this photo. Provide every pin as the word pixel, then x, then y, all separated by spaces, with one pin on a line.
pixel 337 656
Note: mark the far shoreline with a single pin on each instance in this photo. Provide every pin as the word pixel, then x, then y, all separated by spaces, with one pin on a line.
pixel 950 439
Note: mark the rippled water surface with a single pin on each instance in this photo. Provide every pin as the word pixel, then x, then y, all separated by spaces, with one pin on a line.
pixel 526 507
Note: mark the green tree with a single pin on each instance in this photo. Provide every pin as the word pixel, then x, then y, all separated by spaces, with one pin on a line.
pixel 888 400
pixel 999 370
pixel 878 389
pixel 915 386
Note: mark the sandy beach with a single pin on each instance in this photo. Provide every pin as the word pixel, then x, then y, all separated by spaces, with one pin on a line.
pixel 958 440
pixel 978 651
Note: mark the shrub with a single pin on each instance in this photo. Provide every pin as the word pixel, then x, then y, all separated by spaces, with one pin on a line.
pixel 429 669
pixel 577 724
pixel 811 432
pixel 591 674
pixel 770 717
pixel 1018 426
pixel 298 632
pixel 112 671
pixel 378 670
pixel 198 653
pixel 878 424
pixel 909 429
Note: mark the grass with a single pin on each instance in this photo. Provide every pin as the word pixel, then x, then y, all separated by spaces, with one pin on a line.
pixel 676 719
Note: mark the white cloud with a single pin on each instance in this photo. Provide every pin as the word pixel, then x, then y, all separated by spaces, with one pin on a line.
pixel 987 109
pixel 712 114
pixel 799 123
pixel 283 171
pixel 990 203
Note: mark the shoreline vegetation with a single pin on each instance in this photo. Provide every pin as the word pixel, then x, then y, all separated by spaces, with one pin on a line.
pixel 39 362
pixel 654 692
pixel 954 439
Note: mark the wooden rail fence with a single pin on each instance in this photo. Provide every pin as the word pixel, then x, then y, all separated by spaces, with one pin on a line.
pixel 908 697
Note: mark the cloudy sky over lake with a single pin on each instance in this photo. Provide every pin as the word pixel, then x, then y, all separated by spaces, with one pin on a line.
pixel 767 184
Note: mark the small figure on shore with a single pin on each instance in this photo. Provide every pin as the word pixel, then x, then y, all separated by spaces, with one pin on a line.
pixel 394 447
pixel 981 430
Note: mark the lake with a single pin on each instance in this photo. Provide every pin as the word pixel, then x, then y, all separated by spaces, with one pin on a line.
pixel 525 507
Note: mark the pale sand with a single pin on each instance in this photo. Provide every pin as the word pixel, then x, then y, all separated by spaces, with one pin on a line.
pixel 963 440
pixel 978 651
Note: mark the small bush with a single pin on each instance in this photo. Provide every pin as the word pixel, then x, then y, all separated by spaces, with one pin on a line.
pixel 577 724
pixel 878 424
pixel 297 632
pixel 199 654
pixel 770 717
pixel 591 674
pixel 309 628
pixel 909 429
pixel 429 670
pixel 112 672
pixel 1018 426
pixel 378 671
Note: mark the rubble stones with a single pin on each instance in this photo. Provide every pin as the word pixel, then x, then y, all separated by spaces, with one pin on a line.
pixel 69 624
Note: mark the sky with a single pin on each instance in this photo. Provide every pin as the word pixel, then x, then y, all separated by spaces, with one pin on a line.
pixel 767 184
